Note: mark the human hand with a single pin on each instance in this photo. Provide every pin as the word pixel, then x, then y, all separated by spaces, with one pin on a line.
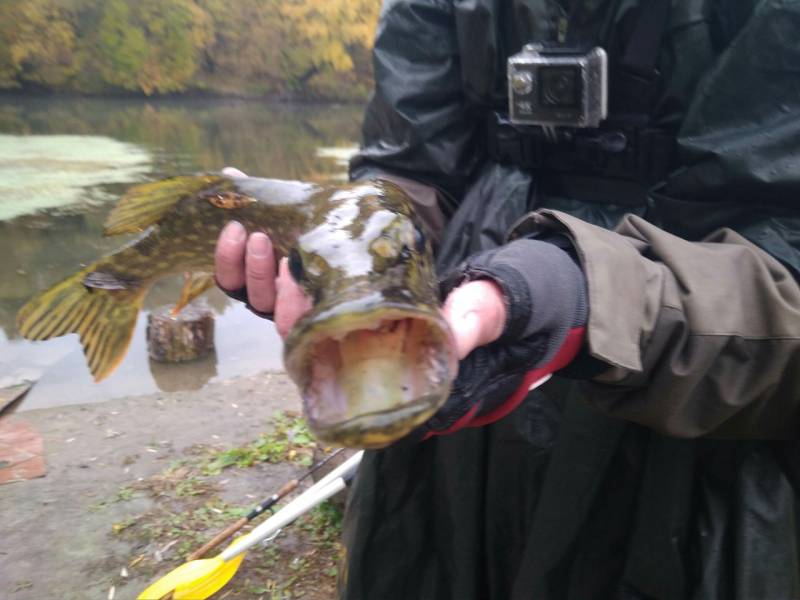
pixel 248 263
pixel 476 312
pixel 245 269
pixel 495 299
pixel 519 317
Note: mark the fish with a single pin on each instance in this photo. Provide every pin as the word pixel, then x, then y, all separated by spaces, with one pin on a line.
pixel 373 359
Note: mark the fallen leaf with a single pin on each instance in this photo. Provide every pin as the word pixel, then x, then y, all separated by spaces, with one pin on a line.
pixel 136 560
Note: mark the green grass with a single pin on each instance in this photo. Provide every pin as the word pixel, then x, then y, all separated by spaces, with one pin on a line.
pixel 187 510
pixel 323 524
pixel 289 441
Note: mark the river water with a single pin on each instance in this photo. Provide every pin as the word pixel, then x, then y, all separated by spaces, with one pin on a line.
pixel 63 163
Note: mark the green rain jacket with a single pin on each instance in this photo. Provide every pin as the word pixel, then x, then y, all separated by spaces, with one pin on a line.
pixel 673 472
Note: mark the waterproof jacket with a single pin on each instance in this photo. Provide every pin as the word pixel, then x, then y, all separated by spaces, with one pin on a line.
pixel 672 472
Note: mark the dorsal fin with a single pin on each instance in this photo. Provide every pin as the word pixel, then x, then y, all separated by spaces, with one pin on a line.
pixel 144 205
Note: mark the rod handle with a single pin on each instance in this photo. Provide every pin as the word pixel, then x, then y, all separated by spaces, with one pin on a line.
pixel 217 539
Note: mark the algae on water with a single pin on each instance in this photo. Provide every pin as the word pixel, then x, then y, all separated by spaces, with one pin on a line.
pixel 39 172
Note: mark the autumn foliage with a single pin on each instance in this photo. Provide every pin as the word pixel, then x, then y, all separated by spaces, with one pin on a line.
pixel 279 48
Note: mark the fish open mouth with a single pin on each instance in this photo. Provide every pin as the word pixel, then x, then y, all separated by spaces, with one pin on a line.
pixel 369 379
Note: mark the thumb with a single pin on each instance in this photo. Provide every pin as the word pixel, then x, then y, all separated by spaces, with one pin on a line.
pixel 291 302
pixel 476 312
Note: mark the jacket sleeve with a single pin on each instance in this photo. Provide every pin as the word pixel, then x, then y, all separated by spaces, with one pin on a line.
pixel 417 124
pixel 700 338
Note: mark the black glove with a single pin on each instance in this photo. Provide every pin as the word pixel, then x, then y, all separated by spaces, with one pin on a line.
pixel 241 296
pixel 546 298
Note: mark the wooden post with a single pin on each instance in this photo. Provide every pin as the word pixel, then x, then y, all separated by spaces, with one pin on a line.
pixel 177 338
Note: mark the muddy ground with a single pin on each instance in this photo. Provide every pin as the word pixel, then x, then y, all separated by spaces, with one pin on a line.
pixel 135 484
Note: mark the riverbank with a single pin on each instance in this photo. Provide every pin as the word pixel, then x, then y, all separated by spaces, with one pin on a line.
pixel 307 47
pixel 134 483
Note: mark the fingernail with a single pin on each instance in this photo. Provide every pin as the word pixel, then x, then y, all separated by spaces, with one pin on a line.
pixel 283 268
pixel 234 232
pixel 258 245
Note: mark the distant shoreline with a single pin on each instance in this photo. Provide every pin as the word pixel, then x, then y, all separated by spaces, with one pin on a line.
pixel 273 99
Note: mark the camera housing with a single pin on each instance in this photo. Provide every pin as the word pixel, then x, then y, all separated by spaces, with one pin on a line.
pixel 558 87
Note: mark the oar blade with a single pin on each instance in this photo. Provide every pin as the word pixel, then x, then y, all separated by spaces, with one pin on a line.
pixel 204 585
pixel 194 580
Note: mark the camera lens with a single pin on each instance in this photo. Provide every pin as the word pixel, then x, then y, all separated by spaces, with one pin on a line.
pixel 560 87
pixel 522 82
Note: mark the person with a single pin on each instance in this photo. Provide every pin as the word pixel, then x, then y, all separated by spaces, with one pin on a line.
pixel 661 460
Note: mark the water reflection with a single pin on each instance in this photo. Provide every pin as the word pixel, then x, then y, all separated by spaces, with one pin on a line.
pixel 172 377
pixel 188 135
pixel 41 248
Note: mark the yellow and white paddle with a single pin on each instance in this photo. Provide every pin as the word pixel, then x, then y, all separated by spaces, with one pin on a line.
pixel 199 579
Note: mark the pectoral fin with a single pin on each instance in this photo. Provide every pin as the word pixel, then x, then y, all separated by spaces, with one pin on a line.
pixel 102 280
pixel 194 284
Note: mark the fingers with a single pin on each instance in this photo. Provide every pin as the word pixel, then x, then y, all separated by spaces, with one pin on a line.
pixel 229 256
pixel 260 273
pixel 291 302
pixel 241 262
pixel 476 312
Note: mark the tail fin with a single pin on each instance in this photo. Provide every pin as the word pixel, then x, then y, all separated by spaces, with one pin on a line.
pixel 104 319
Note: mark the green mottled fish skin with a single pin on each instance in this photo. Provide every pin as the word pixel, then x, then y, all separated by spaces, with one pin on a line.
pixel 184 238
pixel 340 225
pixel 356 249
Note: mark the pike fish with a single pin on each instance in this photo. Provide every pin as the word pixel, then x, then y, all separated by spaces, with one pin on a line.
pixel 373 358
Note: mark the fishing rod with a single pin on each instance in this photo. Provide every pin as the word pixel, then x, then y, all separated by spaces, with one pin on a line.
pixel 286 489
pixel 200 579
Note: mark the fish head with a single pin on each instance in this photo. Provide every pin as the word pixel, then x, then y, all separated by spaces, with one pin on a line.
pixel 374 358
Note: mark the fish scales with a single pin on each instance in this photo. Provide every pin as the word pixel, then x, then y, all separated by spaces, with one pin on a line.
pixel 372 359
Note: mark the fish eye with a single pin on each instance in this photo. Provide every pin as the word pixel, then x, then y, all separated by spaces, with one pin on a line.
pixel 419 245
pixel 296 265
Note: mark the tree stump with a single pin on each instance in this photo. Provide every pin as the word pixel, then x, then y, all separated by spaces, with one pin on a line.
pixel 178 338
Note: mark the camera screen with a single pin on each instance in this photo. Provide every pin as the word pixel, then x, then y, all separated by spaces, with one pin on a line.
pixel 560 87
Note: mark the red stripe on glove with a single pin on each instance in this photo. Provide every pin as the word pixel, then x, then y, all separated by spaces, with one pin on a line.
pixel 569 349
pixel 464 421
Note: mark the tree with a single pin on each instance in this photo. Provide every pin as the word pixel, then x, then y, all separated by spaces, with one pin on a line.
pixel 37 43
pixel 122 46
pixel 325 35
pixel 316 48
pixel 151 45
pixel 246 51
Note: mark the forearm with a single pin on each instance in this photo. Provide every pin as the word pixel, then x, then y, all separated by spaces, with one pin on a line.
pixel 699 338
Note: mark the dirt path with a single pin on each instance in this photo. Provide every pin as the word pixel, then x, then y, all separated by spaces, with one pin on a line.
pixel 130 482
